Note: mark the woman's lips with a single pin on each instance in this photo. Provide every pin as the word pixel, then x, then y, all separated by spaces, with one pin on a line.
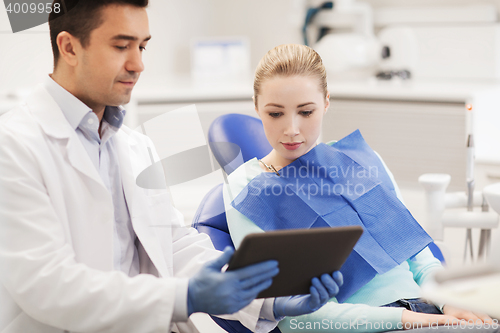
pixel 291 146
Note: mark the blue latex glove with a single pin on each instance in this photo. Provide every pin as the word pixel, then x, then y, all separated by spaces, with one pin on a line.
pixel 215 292
pixel 321 292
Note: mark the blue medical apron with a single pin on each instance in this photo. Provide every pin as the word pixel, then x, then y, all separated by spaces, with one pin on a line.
pixel 340 185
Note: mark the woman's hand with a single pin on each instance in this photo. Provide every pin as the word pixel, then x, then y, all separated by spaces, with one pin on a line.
pixel 322 290
pixel 478 318
pixel 412 320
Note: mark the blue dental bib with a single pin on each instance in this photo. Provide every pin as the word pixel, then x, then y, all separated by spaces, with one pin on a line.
pixel 340 185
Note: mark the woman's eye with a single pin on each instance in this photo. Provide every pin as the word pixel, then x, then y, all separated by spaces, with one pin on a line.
pixel 275 114
pixel 121 47
pixel 306 113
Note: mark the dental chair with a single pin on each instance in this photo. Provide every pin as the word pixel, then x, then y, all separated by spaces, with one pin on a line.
pixel 246 138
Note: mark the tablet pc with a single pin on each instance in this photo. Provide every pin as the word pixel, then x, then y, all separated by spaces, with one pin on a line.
pixel 301 253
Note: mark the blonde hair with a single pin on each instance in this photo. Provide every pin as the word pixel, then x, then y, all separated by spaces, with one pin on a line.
pixel 290 60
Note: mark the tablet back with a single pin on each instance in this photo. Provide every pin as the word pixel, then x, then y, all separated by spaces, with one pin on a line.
pixel 302 254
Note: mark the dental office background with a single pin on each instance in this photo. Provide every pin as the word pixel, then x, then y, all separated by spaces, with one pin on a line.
pixel 434 61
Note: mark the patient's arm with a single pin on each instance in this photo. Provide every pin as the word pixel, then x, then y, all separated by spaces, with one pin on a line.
pixel 345 317
pixel 451 317
pixel 412 320
pixel 466 315
pixel 423 266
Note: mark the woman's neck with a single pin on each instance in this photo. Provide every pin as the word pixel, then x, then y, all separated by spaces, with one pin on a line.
pixel 276 160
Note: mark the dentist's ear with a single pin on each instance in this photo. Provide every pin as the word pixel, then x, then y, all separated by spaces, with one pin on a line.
pixel 69 47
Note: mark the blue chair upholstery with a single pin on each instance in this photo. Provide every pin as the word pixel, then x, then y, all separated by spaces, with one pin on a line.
pixel 245 135
pixel 210 218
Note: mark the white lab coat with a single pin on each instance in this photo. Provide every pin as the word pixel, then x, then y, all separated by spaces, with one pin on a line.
pixel 56 232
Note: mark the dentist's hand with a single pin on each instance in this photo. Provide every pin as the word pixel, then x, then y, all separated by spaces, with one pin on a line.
pixel 215 292
pixel 321 292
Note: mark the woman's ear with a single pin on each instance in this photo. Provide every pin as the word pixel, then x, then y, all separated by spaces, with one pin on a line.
pixel 256 110
pixel 327 102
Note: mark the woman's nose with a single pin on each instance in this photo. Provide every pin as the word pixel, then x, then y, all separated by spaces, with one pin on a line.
pixel 292 128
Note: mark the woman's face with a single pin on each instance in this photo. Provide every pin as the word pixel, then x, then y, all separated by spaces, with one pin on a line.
pixel 291 109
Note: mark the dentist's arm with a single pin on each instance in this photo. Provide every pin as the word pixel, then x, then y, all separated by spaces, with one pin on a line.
pixel 39 268
pixel 215 292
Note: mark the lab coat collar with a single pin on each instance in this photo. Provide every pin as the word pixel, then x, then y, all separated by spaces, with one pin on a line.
pixel 72 108
pixel 128 137
pixel 48 114
pixel 51 119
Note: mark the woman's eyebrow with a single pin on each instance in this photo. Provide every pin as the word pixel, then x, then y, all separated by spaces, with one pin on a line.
pixel 276 105
pixel 281 106
pixel 301 105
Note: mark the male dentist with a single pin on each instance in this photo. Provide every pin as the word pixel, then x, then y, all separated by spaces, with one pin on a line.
pixel 82 247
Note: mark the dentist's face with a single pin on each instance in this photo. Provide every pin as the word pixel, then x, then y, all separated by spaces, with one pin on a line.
pixel 292 109
pixel 109 67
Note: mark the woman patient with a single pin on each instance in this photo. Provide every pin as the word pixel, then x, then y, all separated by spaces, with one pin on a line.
pixel 343 184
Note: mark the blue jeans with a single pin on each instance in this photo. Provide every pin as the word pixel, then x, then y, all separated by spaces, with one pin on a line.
pixel 416 305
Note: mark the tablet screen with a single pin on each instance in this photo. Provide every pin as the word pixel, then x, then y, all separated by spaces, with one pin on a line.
pixel 301 253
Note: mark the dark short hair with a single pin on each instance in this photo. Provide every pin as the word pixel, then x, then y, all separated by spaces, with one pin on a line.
pixel 79 18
